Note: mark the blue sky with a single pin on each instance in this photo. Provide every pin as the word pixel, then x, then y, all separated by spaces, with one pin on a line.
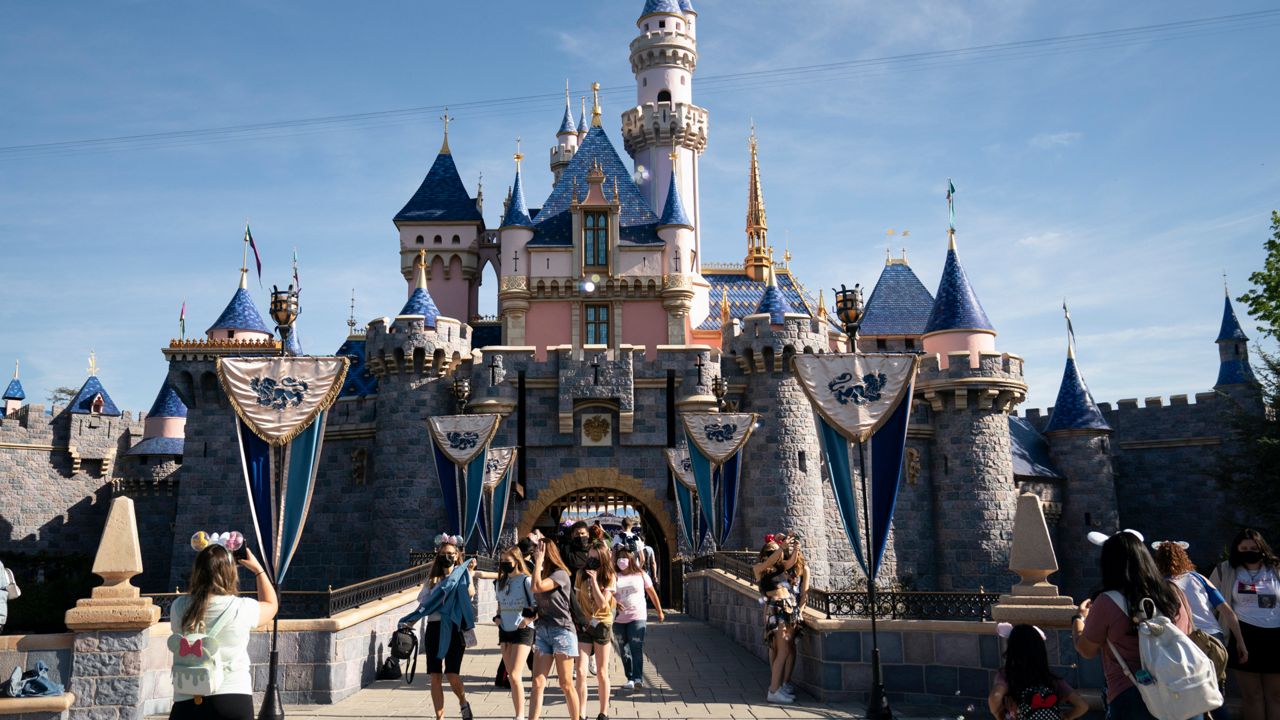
pixel 1126 178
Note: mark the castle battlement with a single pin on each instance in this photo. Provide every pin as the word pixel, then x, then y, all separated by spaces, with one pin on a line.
pixel 994 384
pixel 1146 408
pixel 406 345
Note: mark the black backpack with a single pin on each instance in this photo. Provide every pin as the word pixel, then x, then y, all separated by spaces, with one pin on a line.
pixel 390 669
pixel 403 645
pixel 1039 703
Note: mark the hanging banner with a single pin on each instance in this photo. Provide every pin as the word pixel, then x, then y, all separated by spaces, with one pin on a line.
pixel 281 405
pixel 715 440
pixel 686 501
pixel 859 398
pixel 461 448
pixel 499 470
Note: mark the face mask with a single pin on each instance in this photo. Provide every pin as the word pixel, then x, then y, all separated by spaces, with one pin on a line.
pixel 1250 557
pixel 581 543
pixel 449 561
pixel 507 567
pixel 593 563
pixel 623 563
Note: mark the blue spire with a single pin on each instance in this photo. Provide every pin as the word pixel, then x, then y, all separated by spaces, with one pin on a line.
pixel 167 404
pixel 240 314
pixel 441 197
pixel 653 7
pixel 82 403
pixel 1231 330
pixel 686 6
pixel 773 303
pixel 673 212
pixel 517 212
pixel 582 119
pixel 420 302
pixel 1075 409
pixel 566 125
pixel 955 306
pixel 14 391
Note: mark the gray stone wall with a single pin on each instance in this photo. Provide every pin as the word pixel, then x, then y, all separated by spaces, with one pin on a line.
pixel 1089 504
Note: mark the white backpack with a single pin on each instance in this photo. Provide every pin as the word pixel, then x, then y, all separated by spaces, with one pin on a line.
pixel 198 669
pixel 1177 680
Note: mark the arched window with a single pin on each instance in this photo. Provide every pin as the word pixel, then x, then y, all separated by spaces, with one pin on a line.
pixel 419 240
pixel 457 240
pixel 664 96
pixel 681 79
pixel 437 240
pixel 595 240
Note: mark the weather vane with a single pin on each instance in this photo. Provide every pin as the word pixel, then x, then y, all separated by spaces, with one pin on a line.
pixel 93 363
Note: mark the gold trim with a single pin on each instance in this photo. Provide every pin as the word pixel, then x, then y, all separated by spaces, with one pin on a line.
pixel 755 417
pixel 906 391
pixel 325 402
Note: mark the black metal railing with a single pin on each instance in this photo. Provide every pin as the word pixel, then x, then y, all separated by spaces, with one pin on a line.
pixel 893 605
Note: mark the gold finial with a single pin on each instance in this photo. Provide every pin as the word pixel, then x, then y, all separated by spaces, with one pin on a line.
pixel 351 319
pixel 906 233
pixel 421 265
pixel 15 369
pixel 904 256
pixel 724 306
pixel 93 363
pixel 444 148
pixel 822 304
pixel 786 253
pixel 575 190
pixel 759 253
pixel 519 155
pixel 595 104
pixel 888 255
pixel 615 190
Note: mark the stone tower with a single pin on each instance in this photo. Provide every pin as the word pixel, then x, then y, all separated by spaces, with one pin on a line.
pixel 1234 370
pixel 413 357
pixel 1080 446
pixel 567 141
pixel 970 389
pixel 665 120
pixel 782 486
pixel 513 237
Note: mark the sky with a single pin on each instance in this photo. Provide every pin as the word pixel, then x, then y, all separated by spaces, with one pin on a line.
pixel 1125 174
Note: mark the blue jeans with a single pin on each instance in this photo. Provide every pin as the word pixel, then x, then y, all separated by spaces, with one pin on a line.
pixel 556 640
pixel 1128 705
pixel 631 648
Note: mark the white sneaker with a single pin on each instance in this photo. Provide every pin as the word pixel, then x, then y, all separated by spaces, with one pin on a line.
pixel 629 685
pixel 780 698
pixel 591 664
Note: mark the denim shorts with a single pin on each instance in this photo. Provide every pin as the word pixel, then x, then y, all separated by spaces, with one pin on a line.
pixel 556 640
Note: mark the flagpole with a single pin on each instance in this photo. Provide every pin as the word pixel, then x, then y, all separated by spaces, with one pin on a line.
pixel 878 702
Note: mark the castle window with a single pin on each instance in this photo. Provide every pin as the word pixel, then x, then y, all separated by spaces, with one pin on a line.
pixel 595 240
pixel 662 23
pixel 419 240
pixel 911 343
pixel 437 240
pixel 682 79
pixel 644 82
pixel 678 27
pixel 596 324
pixel 882 344
pixel 457 240
pixel 646 27
pixel 664 96
pixel 804 463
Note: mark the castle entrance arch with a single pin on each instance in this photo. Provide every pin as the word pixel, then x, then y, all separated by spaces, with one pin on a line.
pixel 606 496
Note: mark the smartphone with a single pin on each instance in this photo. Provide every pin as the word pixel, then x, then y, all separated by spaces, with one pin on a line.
pixel 240 553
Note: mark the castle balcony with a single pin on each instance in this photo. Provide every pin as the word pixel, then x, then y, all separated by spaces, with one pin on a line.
pixel 656 124
pixel 201 349
pixel 664 47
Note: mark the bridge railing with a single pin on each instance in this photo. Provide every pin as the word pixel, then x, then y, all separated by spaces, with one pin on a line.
pixel 891 604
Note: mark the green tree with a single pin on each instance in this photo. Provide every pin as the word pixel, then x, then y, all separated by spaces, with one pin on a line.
pixel 1263 301
pixel 62 395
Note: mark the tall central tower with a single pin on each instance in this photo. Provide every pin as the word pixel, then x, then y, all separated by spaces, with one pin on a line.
pixel 665 121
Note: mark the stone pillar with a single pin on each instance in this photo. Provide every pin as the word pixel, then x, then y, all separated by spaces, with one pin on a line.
pixel 1034 600
pixel 112 627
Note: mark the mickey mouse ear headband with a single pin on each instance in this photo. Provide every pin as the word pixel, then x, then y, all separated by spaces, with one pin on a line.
pixel 1005 629
pixel 232 540
pixel 1098 538
pixel 446 539
pixel 1180 543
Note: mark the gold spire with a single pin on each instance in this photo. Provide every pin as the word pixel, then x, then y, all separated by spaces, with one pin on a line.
pixel 786 254
pixel 93 363
pixel 444 147
pixel 758 250
pixel 724 306
pixel 519 155
pixel 351 319
pixel 822 305
pixel 421 265
pixel 595 104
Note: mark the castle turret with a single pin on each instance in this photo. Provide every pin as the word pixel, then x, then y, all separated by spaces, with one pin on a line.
pixel 582 122
pixel 897 311
pixel 1080 447
pixel 567 140
pixel 514 237
pixel 165 427
pixel 970 389
pixel 663 59
pixel 676 230
pixel 92 399
pixel 240 320
pixel 14 394
pixel 1233 352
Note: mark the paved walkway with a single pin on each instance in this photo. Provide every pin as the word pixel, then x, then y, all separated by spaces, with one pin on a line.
pixel 692 671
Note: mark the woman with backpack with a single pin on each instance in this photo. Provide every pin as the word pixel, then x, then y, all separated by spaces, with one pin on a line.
pixel 448 558
pixel 1251 578
pixel 1025 689
pixel 554 638
pixel 210 638
pixel 1107 623
pixel 594 608
pixel 629 625
pixel 516 612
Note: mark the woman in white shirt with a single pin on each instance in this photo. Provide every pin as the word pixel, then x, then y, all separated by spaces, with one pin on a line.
pixel 1250 579
pixel 212 597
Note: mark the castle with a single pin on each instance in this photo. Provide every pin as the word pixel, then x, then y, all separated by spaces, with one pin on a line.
pixel 612 322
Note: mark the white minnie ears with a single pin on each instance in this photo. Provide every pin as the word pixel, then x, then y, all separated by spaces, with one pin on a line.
pixel 1005 629
pixel 1098 538
pixel 1180 543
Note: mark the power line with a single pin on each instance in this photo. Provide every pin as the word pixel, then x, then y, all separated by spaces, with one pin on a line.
pixel 711 85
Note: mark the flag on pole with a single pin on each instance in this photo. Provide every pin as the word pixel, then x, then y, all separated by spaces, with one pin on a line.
pixel 182 319
pixel 248 238
pixel 1071 333
pixel 297 283
pixel 951 204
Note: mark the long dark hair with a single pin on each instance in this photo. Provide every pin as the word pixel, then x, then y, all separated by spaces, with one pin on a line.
pixel 1026 661
pixel 517 559
pixel 1268 557
pixel 1128 567
pixel 213 573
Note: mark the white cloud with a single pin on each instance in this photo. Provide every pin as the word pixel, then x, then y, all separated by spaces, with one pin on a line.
pixel 1051 141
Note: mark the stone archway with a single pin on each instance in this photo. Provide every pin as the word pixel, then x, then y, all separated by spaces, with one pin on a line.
pixel 609 478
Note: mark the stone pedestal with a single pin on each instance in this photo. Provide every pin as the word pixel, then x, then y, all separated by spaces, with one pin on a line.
pixel 1034 600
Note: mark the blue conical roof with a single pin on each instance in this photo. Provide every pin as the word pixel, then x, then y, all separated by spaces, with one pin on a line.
pixel 517 212
pixel 420 303
pixel 582 120
pixel 773 303
pixel 673 211
pixel 441 197
pixel 240 314
pixel 1075 409
pixel 14 391
pixel 651 7
pixel 1231 329
pixel 899 305
pixel 167 404
pixel 566 124
pixel 686 6
pixel 955 306
pixel 82 403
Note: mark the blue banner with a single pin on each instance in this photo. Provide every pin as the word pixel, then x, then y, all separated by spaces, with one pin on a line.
pixel 255 457
pixel 888 446
pixel 702 475
pixel 296 491
pixel 474 490
pixel 730 475
pixel 447 472
pixel 836 450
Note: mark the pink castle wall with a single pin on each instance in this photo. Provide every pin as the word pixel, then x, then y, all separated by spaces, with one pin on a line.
pixel 644 323
pixel 548 323
pixel 452 295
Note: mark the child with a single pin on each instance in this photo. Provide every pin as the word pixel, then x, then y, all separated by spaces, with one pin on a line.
pixel 1025 689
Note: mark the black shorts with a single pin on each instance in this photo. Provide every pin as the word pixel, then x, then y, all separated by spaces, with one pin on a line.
pixel 600 634
pixel 214 707
pixel 1264 649
pixel 452 663
pixel 522 636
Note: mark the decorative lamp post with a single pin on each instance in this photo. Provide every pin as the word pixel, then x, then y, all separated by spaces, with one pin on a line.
pixel 284 310
pixel 849 309
pixel 461 392
pixel 719 388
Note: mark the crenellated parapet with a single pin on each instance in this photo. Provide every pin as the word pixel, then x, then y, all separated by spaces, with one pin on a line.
pixel 663 124
pixel 664 47
pixel 757 345
pixel 406 347
pixel 995 383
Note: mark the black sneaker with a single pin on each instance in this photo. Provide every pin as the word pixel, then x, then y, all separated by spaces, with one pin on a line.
pixel 466 711
pixel 602 716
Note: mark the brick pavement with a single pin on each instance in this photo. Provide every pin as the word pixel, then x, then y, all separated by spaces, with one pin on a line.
pixel 691 670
